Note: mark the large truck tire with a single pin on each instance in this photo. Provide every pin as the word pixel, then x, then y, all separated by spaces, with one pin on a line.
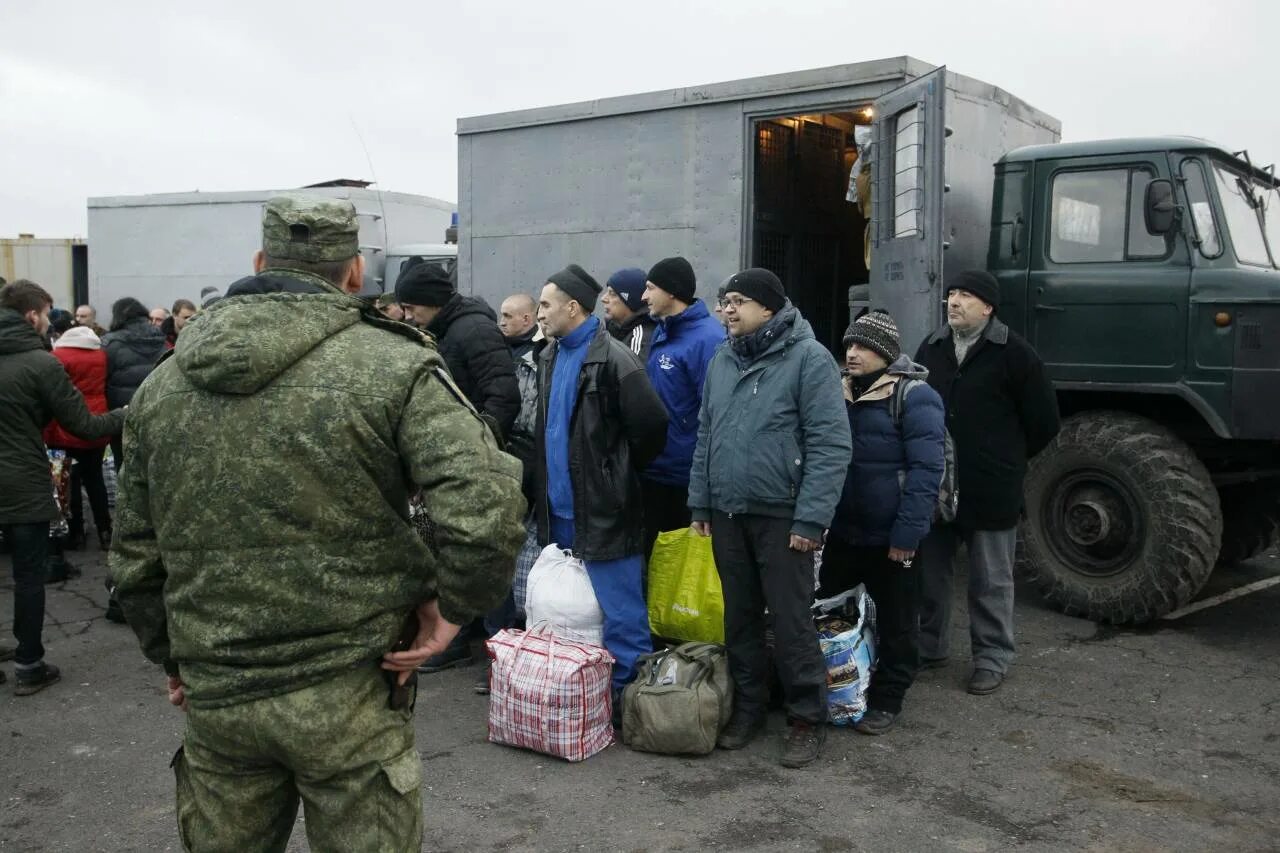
pixel 1123 522
pixel 1250 520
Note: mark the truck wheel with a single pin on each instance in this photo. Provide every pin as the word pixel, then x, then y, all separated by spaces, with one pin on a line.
pixel 1250 521
pixel 1123 522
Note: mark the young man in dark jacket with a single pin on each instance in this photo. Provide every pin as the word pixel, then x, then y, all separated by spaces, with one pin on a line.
pixel 133 347
pixel 773 447
pixel 599 424
pixel 1001 411
pixel 466 330
pixel 626 316
pixel 34 390
pixel 887 507
pixel 685 340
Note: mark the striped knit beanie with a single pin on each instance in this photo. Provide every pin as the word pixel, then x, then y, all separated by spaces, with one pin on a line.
pixel 875 331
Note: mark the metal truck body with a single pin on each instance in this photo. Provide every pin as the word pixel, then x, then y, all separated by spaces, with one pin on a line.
pixel 751 172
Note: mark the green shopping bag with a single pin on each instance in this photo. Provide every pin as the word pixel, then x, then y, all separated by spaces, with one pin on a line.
pixel 685 600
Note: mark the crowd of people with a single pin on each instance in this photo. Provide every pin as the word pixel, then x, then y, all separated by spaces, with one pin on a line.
pixel 262 551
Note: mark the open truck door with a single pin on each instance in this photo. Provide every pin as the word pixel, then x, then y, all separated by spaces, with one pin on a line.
pixel 908 182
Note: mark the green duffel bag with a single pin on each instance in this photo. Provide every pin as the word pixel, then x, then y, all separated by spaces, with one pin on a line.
pixel 680 700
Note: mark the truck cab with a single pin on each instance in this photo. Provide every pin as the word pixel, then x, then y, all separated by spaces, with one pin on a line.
pixel 1146 273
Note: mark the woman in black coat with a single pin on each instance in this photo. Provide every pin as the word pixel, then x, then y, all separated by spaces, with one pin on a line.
pixel 133 346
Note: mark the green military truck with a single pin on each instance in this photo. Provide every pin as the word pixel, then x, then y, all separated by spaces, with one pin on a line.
pixel 1146 272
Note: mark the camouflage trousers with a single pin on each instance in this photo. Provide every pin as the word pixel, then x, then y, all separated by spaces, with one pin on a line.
pixel 334 746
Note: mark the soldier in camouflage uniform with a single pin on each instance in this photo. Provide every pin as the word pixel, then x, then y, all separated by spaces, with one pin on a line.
pixel 265 556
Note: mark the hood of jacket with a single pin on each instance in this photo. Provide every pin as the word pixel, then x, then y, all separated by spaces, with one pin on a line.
pixel 138 335
pixel 670 326
pixel 456 308
pixel 16 334
pixel 240 344
pixel 902 368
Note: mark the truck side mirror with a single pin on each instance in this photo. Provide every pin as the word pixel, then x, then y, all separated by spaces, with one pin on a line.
pixel 1160 210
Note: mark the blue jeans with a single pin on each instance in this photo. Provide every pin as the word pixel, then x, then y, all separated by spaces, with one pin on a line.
pixel 619 588
pixel 30 544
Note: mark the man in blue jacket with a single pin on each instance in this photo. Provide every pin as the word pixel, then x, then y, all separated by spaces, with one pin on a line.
pixel 683 344
pixel 773 447
pixel 890 492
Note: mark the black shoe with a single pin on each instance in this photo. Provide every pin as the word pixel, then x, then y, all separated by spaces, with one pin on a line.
pixel 457 653
pixel 985 681
pixel 875 722
pixel 804 744
pixel 482 683
pixel 742 729
pixel 934 663
pixel 34 680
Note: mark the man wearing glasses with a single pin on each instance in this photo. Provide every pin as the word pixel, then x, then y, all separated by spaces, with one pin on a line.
pixel 773 447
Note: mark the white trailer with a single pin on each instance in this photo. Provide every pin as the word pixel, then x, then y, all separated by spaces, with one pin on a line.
pixel 169 246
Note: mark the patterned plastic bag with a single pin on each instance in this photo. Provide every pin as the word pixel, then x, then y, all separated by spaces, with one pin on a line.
pixel 549 695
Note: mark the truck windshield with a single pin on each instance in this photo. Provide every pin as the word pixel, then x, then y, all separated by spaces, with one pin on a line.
pixel 1246 204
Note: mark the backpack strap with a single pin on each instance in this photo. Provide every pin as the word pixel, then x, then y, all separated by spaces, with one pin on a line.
pixel 898 399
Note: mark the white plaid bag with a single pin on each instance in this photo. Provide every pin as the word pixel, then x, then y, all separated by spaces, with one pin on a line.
pixel 549 695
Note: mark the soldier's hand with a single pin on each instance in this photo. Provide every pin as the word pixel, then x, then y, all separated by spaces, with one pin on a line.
pixel 177 692
pixel 434 634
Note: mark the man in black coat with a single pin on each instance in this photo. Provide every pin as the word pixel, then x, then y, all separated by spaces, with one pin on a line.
pixel 466 331
pixel 1001 411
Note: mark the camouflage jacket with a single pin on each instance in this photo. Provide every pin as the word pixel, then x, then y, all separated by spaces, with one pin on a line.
pixel 263 540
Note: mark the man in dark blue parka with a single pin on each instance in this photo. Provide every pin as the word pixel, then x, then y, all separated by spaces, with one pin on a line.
pixel 888 502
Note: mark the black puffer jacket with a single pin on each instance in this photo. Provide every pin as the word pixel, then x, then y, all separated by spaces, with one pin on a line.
pixel 34 389
pixel 618 426
pixel 132 353
pixel 467 334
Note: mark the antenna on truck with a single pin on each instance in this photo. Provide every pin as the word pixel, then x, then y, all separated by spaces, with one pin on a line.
pixel 377 187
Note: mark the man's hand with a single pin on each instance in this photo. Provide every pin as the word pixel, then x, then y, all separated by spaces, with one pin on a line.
pixel 804 546
pixel 434 634
pixel 901 555
pixel 177 692
pixel 702 528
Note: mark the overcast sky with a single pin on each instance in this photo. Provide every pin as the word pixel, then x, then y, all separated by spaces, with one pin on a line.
pixel 137 97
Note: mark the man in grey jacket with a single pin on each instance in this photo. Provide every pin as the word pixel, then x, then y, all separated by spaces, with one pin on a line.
pixel 773 447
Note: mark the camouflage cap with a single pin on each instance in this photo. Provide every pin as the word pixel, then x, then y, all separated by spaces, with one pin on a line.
pixel 306 228
pixel 388 298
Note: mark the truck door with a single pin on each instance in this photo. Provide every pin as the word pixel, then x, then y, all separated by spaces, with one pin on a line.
pixel 908 181
pixel 1106 300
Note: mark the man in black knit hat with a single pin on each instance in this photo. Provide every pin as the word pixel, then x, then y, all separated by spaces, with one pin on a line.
pixel 599 424
pixel 626 316
pixel 1001 411
pixel 772 450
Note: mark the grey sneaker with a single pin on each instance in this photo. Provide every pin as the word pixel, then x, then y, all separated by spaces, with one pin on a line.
pixel 804 744
pixel 30 681
pixel 985 681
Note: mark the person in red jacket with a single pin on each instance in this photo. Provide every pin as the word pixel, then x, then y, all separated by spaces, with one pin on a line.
pixel 80 351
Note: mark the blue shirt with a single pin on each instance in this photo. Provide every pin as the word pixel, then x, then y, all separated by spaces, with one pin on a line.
pixel 571 352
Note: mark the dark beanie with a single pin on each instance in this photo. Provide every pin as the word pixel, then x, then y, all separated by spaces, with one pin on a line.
pixel 675 276
pixel 759 284
pixel 578 284
pixel 629 285
pixel 875 331
pixel 980 283
pixel 421 283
